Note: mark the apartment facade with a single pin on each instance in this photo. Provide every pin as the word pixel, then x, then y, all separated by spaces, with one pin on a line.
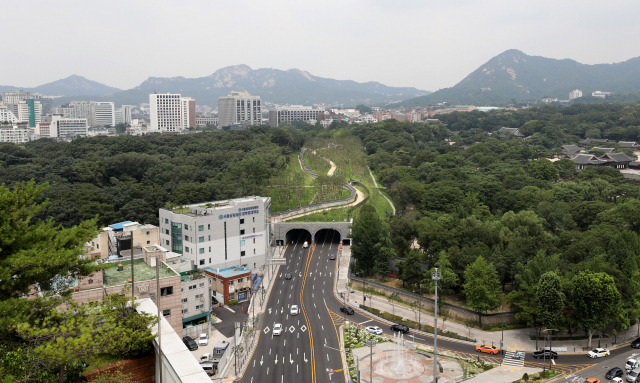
pixel 230 284
pixel 239 108
pixel 102 114
pixel 14 134
pixel 219 234
pixel 64 128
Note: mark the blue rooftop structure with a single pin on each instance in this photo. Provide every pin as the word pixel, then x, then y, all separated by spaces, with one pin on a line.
pixel 229 272
pixel 119 225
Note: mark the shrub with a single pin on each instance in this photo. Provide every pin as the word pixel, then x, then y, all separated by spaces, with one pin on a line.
pixel 232 302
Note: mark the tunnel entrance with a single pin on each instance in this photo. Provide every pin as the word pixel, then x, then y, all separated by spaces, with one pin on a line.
pixel 327 236
pixel 297 236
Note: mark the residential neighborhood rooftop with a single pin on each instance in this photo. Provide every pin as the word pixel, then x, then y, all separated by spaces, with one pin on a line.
pixel 229 272
pixel 141 271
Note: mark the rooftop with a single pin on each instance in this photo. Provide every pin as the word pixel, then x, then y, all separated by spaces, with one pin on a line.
pixel 142 272
pixel 229 272
pixel 119 225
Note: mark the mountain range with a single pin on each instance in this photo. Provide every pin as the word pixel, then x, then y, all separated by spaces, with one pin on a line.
pixel 292 86
pixel 513 75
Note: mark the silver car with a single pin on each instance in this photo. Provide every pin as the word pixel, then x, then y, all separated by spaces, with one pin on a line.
pixel 632 376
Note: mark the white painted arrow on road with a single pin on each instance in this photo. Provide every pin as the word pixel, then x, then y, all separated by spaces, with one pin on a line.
pixel 276 358
pixel 261 361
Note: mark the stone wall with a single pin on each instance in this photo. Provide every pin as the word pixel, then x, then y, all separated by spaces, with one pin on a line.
pixel 139 370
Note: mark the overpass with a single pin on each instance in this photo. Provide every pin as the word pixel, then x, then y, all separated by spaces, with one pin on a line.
pixel 285 232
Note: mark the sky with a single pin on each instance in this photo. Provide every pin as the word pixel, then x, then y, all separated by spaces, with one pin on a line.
pixel 424 44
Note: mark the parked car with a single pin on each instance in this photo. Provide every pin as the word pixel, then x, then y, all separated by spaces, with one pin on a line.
pixel 632 376
pixel 615 372
pixel 636 343
pixel 592 380
pixel 616 380
pixel 287 276
pixel 209 367
pixel 347 310
pixel 305 244
pixel 277 329
pixel 631 364
pixel 374 330
pixel 190 343
pixel 545 354
pixel 293 310
pixel 203 340
pixel 400 327
pixel 598 353
pixel 487 349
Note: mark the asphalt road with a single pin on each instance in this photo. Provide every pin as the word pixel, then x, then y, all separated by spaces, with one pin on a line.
pixel 308 348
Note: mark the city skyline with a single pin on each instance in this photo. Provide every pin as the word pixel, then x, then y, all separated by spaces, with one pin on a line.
pixel 404 43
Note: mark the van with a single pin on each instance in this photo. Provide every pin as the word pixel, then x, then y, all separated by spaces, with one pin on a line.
pixel 632 376
pixel 209 367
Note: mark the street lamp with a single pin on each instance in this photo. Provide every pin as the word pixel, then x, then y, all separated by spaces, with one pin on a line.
pixel 370 343
pixel 550 358
pixel 436 276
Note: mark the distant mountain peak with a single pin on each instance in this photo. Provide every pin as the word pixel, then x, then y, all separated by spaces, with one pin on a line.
pixel 75 85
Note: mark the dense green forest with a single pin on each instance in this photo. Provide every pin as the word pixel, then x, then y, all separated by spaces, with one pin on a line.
pixel 129 178
pixel 497 204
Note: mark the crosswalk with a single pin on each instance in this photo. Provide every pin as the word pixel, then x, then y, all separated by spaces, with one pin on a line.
pixel 513 358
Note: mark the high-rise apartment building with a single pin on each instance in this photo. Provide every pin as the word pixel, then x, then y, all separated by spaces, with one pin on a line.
pixel 219 234
pixel 6 115
pixel 29 111
pixel 294 113
pixel 14 134
pixel 171 112
pixel 239 108
pixel 123 115
pixel 13 97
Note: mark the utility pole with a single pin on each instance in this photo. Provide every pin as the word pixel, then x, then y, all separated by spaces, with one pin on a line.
pixel 370 343
pixel 420 307
pixel 158 295
pixel 436 276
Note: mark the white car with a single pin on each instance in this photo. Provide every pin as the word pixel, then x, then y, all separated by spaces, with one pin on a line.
pixel 203 340
pixel 631 364
pixel 374 330
pixel 598 353
pixel 616 380
pixel 277 329
pixel 294 310
pixel 305 244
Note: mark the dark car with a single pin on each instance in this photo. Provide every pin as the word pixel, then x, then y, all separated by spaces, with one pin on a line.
pixel 400 327
pixel 615 372
pixel 190 343
pixel 287 275
pixel 346 309
pixel 545 354
pixel 636 343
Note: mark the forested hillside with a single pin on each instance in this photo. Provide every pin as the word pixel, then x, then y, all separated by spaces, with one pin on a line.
pixel 498 218
pixel 129 178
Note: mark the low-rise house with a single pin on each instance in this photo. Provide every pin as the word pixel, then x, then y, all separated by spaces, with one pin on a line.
pixel 232 283
pixel 118 240
pixel 629 144
pixel 613 160
pixel 504 132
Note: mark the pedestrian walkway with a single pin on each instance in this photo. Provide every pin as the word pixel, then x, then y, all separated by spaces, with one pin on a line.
pixel 513 358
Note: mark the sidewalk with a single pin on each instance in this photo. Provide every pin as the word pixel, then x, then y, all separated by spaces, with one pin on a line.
pixel 518 339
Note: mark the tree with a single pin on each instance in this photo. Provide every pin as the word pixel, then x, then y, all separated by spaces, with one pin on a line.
pixel 595 300
pixel 482 286
pixel 550 300
pixel 449 279
pixel 371 247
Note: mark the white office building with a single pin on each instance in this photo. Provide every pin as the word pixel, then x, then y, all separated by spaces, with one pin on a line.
pixel 102 114
pixel 123 115
pixel 66 128
pixel 576 93
pixel 171 113
pixel 294 113
pixel 239 108
pixel 14 134
pixel 24 111
pixel 219 234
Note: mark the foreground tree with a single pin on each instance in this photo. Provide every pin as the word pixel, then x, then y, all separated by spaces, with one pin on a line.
pixel 550 300
pixel 482 286
pixel 595 301
pixel 371 246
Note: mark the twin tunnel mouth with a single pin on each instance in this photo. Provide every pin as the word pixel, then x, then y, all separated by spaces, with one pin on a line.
pixel 300 236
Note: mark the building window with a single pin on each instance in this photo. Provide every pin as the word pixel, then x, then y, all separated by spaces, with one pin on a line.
pixel 198 307
pixel 239 280
pixel 186 249
pixel 200 239
pixel 209 248
pixel 185 300
pixel 242 232
pixel 202 261
pixel 209 238
pixel 202 284
pixel 254 240
pixel 201 250
pixel 230 283
pixel 184 311
pixel 201 227
pixel 242 243
pixel 241 221
pixel 166 220
pixel 242 253
pixel 90 281
pixel 166 291
pixel 167 242
pixel 166 312
pixel 166 231
pixel 186 237
pixel 254 251
pixel 209 260
pixel 148 242
pixel 254 219
pixel 208 226
pixel 186 227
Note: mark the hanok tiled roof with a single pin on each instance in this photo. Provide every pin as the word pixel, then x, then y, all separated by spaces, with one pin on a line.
pixel 616 157
pixel 587 159
pixel 628 144
pixel 570 148
pixel 606 150
pixel 514 131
